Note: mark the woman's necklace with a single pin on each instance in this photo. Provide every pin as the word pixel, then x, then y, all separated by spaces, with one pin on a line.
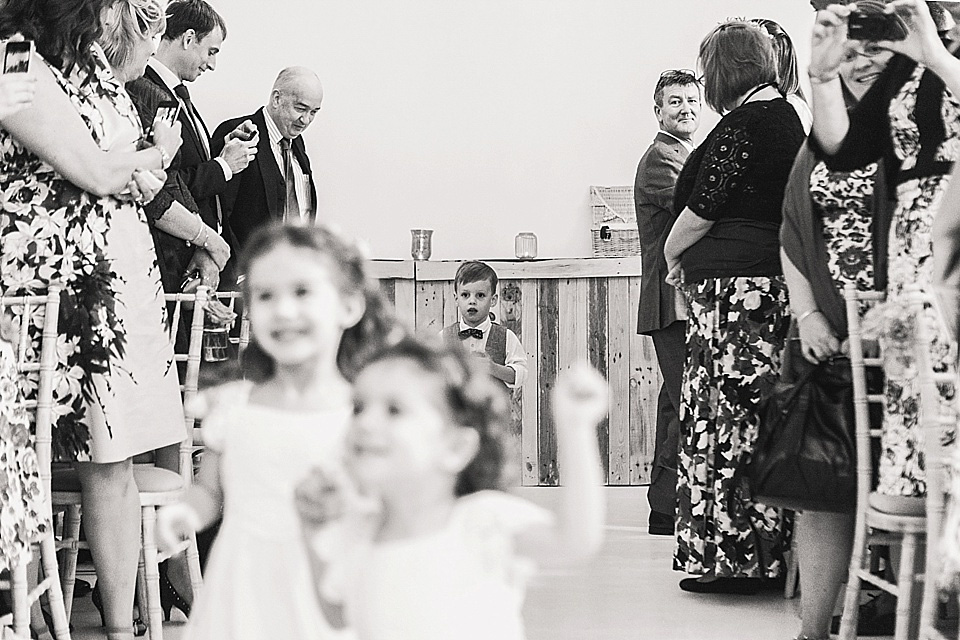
pixel 757 89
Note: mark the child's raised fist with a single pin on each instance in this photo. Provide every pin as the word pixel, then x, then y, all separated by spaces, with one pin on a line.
pixel 319 499
pixel 580 397
pixel 175 524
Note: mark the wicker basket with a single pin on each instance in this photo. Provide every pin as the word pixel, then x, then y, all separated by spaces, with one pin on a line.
pixel 614 228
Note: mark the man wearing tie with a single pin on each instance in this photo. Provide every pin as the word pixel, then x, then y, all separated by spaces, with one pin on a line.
pixel 676 104
pixel 278 184
pixel 193 37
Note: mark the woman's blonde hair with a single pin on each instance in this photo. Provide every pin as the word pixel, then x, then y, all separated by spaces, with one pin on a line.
pixel 137 20
pixel 734 58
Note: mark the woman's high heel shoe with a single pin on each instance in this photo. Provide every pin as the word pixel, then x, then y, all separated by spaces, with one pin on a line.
pixel 138 625
pixel 169 598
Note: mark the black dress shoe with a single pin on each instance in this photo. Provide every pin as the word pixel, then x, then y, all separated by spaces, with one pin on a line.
pixel 736 586
pixel 660 524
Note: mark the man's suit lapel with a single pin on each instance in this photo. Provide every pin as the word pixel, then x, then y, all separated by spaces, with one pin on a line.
pixel 672 143
pixel 271 174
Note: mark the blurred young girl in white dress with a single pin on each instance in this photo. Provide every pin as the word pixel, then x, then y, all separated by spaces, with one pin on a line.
pixel 441 551
pixel 312 312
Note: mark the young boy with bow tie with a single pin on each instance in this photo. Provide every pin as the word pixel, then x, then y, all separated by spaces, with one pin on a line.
pixel 475 286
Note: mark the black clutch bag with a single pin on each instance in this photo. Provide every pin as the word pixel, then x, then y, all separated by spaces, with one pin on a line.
pixel 805 455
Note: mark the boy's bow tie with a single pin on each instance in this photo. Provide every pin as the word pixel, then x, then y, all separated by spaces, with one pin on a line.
pixel 471 332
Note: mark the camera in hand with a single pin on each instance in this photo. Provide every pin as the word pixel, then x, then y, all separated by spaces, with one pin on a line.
pixel 16 56
pixel 870 23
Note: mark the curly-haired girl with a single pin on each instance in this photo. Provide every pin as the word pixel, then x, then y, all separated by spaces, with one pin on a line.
pixel 443 552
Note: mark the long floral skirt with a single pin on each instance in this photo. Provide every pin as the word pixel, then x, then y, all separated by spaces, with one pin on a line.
pixel 736 330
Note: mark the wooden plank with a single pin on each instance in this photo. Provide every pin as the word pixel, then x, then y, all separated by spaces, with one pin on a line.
pixel 404 301
pixel 388 287
pixel 642 378
pixel 548 365
pixel 389 269
pixel 429 308
pixel 530 338
pixel 597 355
pixel 522 269
pixel 618 358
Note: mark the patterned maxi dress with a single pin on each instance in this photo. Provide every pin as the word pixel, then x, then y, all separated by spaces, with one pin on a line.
pixel 737 323
pixel 910 263
pixel 115 391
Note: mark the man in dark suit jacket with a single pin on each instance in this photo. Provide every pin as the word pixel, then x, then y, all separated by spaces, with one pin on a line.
pixel 263 193
pixel 193 37
pixel 661 316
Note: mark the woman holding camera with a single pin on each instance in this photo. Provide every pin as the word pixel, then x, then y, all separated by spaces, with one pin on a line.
pixel 73 172
pixel 725 243
pixel 911 119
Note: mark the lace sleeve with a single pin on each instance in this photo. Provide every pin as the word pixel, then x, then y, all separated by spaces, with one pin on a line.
pixel 721 172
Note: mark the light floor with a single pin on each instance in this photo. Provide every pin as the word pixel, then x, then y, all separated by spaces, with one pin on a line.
pixel 628 592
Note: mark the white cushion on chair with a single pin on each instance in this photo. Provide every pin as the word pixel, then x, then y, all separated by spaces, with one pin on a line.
pixel 150 479
pixel 899 505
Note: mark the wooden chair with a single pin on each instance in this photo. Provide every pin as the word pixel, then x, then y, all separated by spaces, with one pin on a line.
pixel 157 487
pixel 23 596
pixel 878 521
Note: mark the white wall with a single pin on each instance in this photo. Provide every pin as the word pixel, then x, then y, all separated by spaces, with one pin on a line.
pixel 479 118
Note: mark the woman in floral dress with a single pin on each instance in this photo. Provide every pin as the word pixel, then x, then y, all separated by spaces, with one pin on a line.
pixel 726 244
pixel 116 391
pixel 911 119
pixel 834 234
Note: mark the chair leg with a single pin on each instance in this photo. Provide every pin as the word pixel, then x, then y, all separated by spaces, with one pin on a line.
pixel 71 539
pixel 905 581
pixel 851 603
pixel 152 573
pixel 793 567
pixel 20 594
pixel 193 566
pixel 48 559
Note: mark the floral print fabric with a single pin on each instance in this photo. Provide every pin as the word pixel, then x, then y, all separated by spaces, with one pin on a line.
pixel 736 330
pixel 54 231
pixel 22 520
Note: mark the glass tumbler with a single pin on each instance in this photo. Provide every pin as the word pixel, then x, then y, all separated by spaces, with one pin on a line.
pixel 421 243
pixel 525 245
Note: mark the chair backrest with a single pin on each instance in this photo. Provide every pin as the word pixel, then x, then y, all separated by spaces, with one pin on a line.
pixel 192 357
pixel 855 301
pixel 43 312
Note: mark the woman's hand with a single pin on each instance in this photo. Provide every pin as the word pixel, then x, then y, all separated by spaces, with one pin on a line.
pixel 144 186
pixel 167 137
pixel 16 92
pixel 829 46
pixel 218 249
pixel 922 43
pixel 817 340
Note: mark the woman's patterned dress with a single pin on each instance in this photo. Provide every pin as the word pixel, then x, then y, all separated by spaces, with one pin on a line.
pixel 116 392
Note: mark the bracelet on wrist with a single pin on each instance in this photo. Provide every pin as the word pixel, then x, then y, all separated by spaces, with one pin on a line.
pixel 806 314
pixel 822 79
pixel 164 156
pixel 199 233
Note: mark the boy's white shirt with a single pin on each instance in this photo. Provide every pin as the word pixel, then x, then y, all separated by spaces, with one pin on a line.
pixel 516 357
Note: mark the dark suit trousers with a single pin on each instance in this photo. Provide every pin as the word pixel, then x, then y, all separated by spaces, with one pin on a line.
pixel 670 344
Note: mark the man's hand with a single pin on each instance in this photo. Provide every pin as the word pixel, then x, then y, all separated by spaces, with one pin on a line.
pixel 238 153
pixel 204 263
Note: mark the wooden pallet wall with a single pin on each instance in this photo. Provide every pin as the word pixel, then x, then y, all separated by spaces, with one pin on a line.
pixel 563 311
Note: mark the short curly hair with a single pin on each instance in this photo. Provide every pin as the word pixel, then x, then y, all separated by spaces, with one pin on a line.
pixel 474 400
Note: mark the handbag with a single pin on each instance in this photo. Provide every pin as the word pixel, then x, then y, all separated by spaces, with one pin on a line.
pixel 805 455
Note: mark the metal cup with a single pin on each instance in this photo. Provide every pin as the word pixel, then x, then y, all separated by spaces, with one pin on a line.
pixel 216 343
pixel 421 241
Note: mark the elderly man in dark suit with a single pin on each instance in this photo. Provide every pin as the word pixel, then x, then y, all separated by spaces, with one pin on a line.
pixel 189 47
pixel 661 315
pixel 278 184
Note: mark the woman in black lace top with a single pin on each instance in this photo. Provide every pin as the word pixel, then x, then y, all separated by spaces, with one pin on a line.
pixel 723 252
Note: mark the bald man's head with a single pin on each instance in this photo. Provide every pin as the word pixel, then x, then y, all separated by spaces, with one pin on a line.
pixel 295 100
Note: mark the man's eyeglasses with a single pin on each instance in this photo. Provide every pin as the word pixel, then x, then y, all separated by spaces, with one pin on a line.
pixel 680 76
